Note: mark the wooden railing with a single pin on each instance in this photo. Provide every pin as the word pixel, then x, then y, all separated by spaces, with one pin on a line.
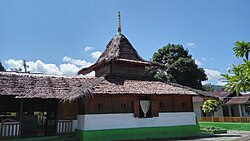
pixel 64 126
pixel 225 119
pixel 9 128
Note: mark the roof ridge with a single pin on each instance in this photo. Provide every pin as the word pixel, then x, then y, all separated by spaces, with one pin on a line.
pixel 85 90
pixel 43 75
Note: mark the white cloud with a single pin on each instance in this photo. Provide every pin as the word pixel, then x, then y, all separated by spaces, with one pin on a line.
pixel 90 74
pixel 203 59
pixel 88 48
pixel 13 64
pixel 76 62
pixel 197 62
pixel 214 77
pixel 95 55
pixel 190 44
pixel 70 68
pixel 212 74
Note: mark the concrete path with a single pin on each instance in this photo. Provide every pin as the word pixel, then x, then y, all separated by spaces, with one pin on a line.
pixel 231 135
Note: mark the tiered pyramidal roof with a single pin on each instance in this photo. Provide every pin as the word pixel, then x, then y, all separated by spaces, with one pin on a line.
pixel 119 49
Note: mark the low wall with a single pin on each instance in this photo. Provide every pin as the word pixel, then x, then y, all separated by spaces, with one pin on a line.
pixel 107 127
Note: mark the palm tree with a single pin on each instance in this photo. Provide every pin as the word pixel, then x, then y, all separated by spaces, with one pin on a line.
pixel 242 49
pixel 239 79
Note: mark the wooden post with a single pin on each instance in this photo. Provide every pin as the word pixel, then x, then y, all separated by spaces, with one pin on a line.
pixel 136 108
pixel 21 117
pixel 56 117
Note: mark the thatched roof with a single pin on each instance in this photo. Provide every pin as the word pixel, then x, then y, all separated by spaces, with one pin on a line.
pixel 118 49
pixel 71 88
pixel 117 86
pixel 26 85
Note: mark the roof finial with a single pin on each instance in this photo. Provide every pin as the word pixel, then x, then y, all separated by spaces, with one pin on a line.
pixel 119 23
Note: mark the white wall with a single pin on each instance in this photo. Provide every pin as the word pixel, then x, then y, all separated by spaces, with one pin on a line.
pixel 80 122
pixel 74 125
pixel 116 121
pixel 219 113
pixel 197 109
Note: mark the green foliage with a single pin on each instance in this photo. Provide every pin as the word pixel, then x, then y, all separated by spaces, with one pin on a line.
pixel 239 78
pixel 181 68
pixel 227 125
pixel 1 67
pixel 212 130
pixel 242 49
pixel 208 87
pixel 211 106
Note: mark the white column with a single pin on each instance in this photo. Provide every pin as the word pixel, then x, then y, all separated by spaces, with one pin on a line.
pixel 229 110
pixel 240 111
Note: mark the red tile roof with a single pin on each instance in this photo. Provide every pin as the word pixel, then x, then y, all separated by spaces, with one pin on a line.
pixel 220 94
pixel 237 100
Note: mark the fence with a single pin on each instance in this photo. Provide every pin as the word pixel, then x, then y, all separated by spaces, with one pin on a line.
pixel 64 126
pixel 9 128
pixel 225 119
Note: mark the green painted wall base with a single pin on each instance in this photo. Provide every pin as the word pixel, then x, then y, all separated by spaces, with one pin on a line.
pixel 139 133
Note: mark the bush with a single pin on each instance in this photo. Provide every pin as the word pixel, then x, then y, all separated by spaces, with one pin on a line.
pixel 212 130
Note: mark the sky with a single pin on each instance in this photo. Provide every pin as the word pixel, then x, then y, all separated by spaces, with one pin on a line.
pixel 60 37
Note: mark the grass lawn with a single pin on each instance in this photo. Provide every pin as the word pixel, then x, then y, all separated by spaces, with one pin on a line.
pixel 227 125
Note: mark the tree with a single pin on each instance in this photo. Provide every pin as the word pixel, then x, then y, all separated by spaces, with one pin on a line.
pixel 181 68
pixel 1 67
pixel 211 106
pixel 239 78
pixel 208 87
pixel 242 49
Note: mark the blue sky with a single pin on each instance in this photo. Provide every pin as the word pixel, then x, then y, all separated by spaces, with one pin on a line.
pixel 52 36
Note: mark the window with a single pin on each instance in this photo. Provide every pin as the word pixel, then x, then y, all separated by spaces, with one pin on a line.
pixel 123 106
pixel 145 108
pixel 100 106
pixel 8 115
